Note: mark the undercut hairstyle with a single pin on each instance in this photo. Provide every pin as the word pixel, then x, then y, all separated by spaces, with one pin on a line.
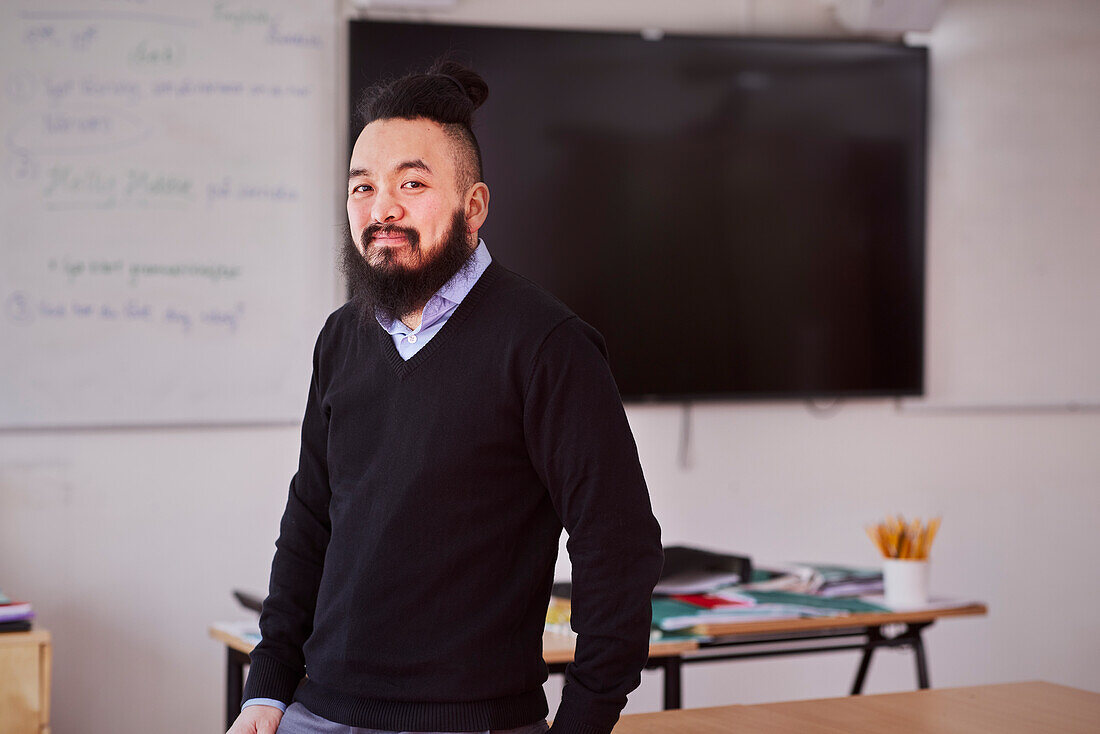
pixel 448 93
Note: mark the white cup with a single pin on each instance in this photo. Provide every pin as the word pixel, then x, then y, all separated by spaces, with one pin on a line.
pixel 905 582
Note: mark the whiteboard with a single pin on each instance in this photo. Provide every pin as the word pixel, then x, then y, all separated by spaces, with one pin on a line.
pixel 167 232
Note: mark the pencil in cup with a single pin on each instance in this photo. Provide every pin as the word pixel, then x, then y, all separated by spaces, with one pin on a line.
pixel 895 538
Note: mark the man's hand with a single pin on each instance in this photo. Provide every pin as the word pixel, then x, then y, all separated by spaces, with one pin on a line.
pixel 257 719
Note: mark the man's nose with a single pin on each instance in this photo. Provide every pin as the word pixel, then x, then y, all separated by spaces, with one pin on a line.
pixel 385 208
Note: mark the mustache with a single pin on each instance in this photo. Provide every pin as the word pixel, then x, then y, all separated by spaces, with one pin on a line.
pixel 377 228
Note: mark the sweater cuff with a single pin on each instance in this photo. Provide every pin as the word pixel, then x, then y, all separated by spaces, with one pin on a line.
pixel 268 678
pixel 570 719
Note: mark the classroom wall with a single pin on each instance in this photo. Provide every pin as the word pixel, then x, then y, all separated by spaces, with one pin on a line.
pixel 128 541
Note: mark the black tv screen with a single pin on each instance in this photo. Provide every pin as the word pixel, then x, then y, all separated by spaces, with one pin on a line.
pixel 740 218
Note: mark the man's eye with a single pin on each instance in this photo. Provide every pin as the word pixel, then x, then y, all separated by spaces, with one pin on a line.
pixel 361 188
pixel 414 185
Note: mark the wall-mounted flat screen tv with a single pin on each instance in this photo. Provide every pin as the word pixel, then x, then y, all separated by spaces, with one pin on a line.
pixel 740 218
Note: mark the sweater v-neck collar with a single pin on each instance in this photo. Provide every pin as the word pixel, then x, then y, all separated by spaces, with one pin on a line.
pixel 403 367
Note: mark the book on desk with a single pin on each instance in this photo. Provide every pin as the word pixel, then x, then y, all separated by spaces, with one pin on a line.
pixel 15 616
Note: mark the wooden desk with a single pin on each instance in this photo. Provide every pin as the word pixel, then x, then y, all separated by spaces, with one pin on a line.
pixel 25 682
pixel 1012 708
pixel 785 637
pixel 766 638
pixel 557 651
pixel 865 619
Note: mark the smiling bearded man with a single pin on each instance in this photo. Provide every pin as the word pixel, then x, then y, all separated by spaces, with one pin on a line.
pixel 457 419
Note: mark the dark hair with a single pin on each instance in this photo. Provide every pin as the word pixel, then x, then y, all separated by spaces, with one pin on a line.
pixel 448 93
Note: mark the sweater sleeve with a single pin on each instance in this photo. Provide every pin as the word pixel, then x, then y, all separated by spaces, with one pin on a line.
pixel 580 443
pixel 277 662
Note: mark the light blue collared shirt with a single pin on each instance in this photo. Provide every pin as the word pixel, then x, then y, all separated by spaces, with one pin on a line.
pixel 439 307
pixel 264 702
pixel 410 341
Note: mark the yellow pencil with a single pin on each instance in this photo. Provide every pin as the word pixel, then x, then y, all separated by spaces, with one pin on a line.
pixel 884 535
pixel 892 536
pixel 896 538
pixel 932 528
pixel 873 535
pixel 903 551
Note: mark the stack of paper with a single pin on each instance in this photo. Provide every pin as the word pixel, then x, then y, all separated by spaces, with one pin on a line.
pixel 15 616
pixel 824 580
pixel 744 606
pixel 721 599
pixel 696 582
pixel 247 631
pixel 847 580
pixel 557 617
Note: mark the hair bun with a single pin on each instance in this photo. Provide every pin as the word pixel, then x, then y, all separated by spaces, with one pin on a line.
pixel 468 79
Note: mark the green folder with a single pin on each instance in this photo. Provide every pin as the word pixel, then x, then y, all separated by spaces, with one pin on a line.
pixel 665 608
pixel 846 604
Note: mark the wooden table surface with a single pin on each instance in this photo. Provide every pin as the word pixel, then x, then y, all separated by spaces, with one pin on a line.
pixel 556 648
pixel 1011 708
pixel 863 619
pixel 35 636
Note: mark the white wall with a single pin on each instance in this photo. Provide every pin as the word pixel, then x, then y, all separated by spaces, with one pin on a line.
pixel 128 541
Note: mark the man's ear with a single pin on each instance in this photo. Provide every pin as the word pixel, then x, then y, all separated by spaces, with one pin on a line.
pixel 477 206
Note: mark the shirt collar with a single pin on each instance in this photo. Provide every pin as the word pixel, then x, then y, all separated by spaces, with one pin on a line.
pixel 462 282
pixel 448 296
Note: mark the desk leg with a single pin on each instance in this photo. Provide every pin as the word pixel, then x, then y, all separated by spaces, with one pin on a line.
pixel 874 636
pixel 922 662
pixel 234 684
pixel 672 668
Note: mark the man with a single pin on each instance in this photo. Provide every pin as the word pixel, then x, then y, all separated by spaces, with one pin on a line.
pixel 457 418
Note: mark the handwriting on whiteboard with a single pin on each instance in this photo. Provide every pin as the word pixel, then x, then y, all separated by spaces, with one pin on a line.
pixel 27 309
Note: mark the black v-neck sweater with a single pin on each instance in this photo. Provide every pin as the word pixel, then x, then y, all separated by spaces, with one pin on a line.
pixel 417 549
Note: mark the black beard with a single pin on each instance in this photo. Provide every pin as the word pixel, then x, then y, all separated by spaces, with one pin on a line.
pixel 393 290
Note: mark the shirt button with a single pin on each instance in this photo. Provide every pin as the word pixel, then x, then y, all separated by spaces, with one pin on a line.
pixel 412 338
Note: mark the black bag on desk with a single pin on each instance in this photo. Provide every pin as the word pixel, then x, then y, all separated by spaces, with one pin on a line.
pixel 689 566
pixel 699 571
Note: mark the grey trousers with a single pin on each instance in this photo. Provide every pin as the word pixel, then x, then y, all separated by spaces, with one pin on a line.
pixel 300 720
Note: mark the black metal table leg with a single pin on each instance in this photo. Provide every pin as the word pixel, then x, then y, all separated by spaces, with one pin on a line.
pixel 234 683
pixel 672 666
pixel 922 662
pixel 874 635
